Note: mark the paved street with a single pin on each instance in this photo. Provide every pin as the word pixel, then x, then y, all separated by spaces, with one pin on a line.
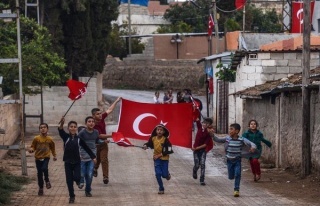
pixel 132 180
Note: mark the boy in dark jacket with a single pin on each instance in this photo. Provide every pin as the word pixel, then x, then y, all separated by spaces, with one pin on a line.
pixel 159 141
pixel 71 156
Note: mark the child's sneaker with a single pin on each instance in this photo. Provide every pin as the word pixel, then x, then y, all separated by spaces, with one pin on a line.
pixel 236 193
pixel 161 192
pixel 48 185
pixel 40 192
pixel 95 172
pixel 202 183
pixel 105 180
pixel 194 175
pixel 71 200
pixel 169 177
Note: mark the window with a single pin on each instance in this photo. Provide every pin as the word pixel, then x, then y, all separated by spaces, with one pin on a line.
pixel 253 56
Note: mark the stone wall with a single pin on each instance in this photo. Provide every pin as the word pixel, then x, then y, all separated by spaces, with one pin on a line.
pixel 9 121
pixel 56 104
pixel 281 123
pixel 153 74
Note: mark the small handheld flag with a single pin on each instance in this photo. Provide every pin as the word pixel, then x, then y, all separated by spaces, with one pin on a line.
pixel 77 89
pixel 120 140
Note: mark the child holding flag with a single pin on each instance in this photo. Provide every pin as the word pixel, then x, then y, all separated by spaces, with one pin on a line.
pixel 159 141
pixel 71 156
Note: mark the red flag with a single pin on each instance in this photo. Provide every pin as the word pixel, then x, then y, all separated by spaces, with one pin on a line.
pixel 120 140
pixel 211 86
pixel 137 120
pixel 210 25
pixel 77 89
pixel 297 16
pixel 239 3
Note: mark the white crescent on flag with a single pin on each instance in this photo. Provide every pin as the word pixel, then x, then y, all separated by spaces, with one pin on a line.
pixel 299 15
pixel 137 121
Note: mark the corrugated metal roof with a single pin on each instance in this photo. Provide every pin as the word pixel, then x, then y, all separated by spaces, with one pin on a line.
pixel 215 56
pixel 292 83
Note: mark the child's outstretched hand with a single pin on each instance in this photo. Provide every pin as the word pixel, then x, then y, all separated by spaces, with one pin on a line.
pixel 252 150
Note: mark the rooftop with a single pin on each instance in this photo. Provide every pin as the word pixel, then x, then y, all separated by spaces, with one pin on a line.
pixel 292 83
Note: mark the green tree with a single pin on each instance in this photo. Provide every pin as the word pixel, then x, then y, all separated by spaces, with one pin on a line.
pixel 187 13
pixel 86 25
pixel 259 21
pixel 232 25
pixel 118 46
pixel 41 65
pixel 225 73
pixel 179 27
pixel 230 18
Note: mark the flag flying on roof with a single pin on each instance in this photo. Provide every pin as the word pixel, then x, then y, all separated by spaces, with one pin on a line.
pixel 137 120
pixel 77 89
pixel 210 25
pixel 297 16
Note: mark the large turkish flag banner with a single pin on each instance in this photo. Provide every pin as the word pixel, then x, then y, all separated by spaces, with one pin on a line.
pixel 137 120
pixel 297 16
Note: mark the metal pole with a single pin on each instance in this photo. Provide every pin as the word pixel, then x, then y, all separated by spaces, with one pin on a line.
pixel 306 149
pixel 216 26
pixel 22 143
pixel 129 21
pixel 177 49
pixel 244 19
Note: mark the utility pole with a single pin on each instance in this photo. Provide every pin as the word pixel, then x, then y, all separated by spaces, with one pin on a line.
pixel 306 151
pixel 244 19
pixel 129 21
pixel 211 5
pixel 216 26
pixel 22 143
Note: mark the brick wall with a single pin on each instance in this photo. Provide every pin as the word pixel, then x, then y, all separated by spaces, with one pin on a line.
pixel 191 47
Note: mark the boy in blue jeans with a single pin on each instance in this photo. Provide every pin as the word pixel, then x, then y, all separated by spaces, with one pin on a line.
pixel 234 151
pixel 159 141
pixel 90 136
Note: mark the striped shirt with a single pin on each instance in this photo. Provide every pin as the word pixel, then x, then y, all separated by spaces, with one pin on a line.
pixel 233 147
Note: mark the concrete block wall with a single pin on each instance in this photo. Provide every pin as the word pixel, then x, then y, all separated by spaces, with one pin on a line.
pixel 266 67
pixel 56 104
pixel 10 120
pixel 271 66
